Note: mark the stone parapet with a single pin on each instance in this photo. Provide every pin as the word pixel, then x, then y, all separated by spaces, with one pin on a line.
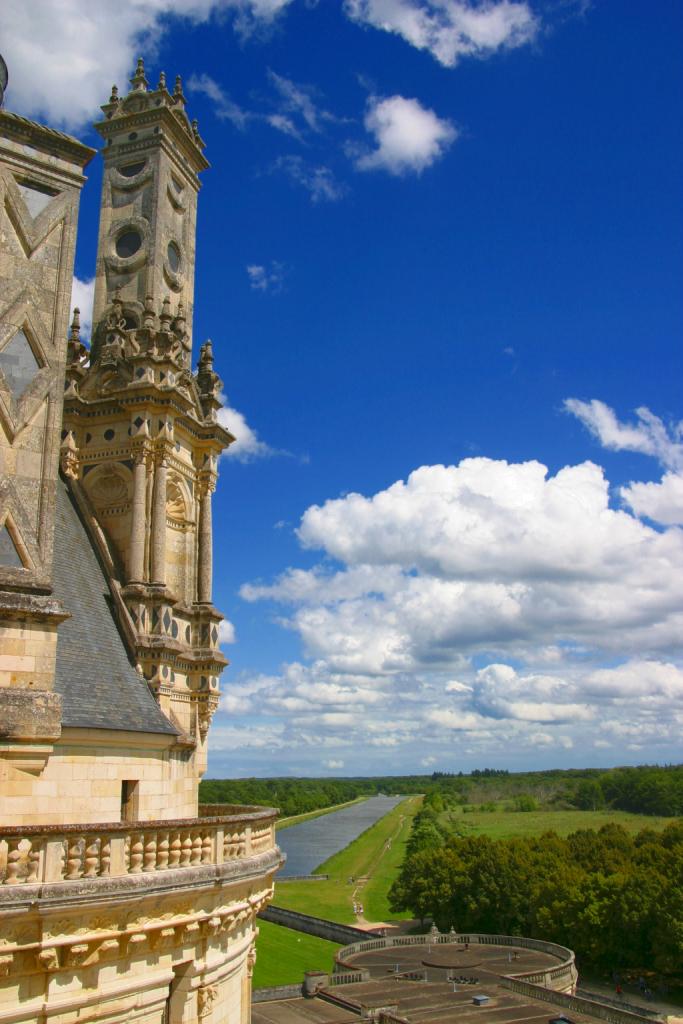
pixel 49 861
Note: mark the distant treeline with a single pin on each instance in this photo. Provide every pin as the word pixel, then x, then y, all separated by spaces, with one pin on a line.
pixel 615 899
pixel 644 790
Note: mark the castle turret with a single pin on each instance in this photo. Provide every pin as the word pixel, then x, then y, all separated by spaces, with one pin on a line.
pixel 142 435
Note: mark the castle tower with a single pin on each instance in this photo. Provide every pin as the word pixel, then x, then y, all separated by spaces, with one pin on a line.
pixel 142 434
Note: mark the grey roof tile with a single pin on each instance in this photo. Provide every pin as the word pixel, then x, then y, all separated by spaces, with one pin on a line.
pixel 99 686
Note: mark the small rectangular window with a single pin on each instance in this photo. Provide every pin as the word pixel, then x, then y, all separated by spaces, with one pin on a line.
pixel 129 800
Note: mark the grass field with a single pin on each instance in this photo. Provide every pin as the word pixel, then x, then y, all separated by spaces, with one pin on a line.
pixel 296 819
pixel 504 824
pixel 282 955
pixel 332 899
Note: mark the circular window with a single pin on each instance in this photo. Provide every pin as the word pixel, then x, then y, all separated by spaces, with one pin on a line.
pixel 173 254
pixel 128 243
pixel 130 170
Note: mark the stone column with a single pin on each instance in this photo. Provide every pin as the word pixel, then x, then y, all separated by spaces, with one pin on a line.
pixel 136 553
pixel 159 518
pixel 205 556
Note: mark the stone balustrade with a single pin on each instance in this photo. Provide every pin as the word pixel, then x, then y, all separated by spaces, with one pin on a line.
pixel 557 977
pixel 31 855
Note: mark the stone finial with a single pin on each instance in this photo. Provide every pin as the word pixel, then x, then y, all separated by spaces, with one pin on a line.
pixel 75 331
pixel 178 94
pixel 162 80
pixel 68 456
pixel 149 316
pixel 138 81
pixel 165 317
pixel 206 356
pixel 114 98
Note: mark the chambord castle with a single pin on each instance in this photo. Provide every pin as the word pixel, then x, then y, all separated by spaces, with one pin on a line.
pixel 119 901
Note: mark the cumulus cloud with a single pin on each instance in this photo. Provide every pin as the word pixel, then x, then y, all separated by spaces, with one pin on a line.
pixel 408 137
pixel 661 502
pixel 332 764
pixel 471 604
pixel 266 277
pixel 64 55
pixel 82 295
pixel 247 445
pixel 449 29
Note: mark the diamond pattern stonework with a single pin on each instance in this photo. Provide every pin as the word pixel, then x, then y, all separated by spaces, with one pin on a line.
pixel 18 365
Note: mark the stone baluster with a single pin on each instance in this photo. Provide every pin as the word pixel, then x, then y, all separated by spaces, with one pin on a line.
pixel 14 856
pixel 74 859
pixel 207 848
pixel 150 854
pixel 33 860
pixel 105 856
pixel 92 858
pixel 137 850
pixel 163 851
pixel 175 850
pixel 186 851
pixel 136 560
pixel 205 552
pixel 196 849
pixel 159 519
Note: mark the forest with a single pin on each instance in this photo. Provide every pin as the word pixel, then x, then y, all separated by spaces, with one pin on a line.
pixel 615 899
pixel 647 789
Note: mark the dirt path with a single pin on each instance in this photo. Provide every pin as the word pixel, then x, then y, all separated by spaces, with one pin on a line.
pixel 356 896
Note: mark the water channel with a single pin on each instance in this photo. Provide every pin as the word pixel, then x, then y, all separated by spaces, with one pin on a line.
pixel 311 842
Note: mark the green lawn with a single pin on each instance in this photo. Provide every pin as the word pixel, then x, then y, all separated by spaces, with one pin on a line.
pixel 332 899
pixel 282 955
pixel 504 824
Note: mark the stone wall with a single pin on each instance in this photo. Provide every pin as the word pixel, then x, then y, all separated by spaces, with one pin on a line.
pixel 313 925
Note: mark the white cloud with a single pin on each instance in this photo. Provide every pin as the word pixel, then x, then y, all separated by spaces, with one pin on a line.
pixel 82 295
pixel 247 445
pixel 225 108
pixel 332 765
pixel 226 632
pixel 449 29
pixel 661 502
pixel 318 180
pixel 638 678
pixel 501 692
pixel 427 762
pixel 64 55
pixel 408 137
pixel 469 605
pixel 266 277
pixel 298 101
pixel 648 435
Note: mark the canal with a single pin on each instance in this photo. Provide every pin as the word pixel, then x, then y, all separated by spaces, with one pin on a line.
pixel 311 842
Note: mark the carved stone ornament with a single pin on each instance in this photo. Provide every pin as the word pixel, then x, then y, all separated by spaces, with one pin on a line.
pixel 48 959
pixel 206 997
pixel 5 964
pixel 109 489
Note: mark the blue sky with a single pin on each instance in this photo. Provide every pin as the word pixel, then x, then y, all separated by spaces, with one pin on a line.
pixel 439 249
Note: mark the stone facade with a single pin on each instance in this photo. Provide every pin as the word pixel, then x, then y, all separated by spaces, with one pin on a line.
pixel 41 175
pixel 117 902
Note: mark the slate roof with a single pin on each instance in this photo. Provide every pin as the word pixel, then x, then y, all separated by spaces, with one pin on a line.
pixel 99 686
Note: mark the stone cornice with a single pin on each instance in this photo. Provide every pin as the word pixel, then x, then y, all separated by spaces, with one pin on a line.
pixel 48 140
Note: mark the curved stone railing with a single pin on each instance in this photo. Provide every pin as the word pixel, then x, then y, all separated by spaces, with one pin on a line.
pixel 31 855
pixel 557 977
